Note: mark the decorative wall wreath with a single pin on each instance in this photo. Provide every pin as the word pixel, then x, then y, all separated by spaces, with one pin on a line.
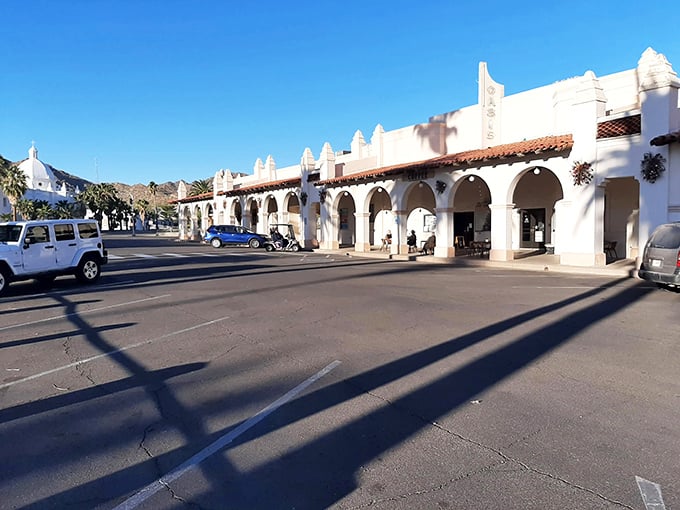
pixel 322 194
pixel 303 198
pixel 582 173
pixel 440 186
pixel 652 166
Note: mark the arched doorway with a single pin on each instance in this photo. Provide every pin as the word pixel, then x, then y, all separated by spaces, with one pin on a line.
pixel 534 196
pixel 621 218
pixel 272 209
pixel 292 216
pixel 422 217
pixel 346 220
pixel 380 216
pixel 471 213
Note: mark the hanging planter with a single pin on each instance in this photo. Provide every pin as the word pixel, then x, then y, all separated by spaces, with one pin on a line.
pixel 582 173
pixel 652 166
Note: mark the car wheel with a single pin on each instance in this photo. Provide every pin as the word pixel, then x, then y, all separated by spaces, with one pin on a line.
pixel 216 243
pixel 269 247
pixel 4 281
pixel 295 247
pixel 254 243
pixel 88 270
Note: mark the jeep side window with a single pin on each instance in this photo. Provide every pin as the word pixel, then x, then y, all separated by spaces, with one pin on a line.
pixel 64 232
pixel 87 230
pixel 38 234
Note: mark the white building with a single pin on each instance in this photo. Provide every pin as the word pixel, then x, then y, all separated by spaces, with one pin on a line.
pixel 40 181
pixel 568 167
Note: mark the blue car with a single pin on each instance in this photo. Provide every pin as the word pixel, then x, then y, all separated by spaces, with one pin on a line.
pixel 219 235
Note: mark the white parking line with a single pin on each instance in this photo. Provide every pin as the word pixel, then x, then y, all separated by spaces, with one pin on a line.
pixel 203 254
pixel 176 255
pixel 115 257
pixel 223 441
pixel 144 256
pixel 83 312
pixel 109 353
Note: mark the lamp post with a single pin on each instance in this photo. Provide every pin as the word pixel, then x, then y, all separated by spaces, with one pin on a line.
pixel 133 215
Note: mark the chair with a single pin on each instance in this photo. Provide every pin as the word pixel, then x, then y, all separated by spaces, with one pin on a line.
pixel 610 248
pixel 459 242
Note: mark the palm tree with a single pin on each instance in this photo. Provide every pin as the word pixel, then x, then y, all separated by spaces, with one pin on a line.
pixel 63 210
pixel 99 198
pixel 43 210
pixel 153 189
pixel 201 186
pixel 142 207
pixel 13 184
pixel 27 208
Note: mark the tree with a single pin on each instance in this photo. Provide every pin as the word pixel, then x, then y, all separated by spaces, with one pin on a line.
pixel 142 207
pixel 100 199
pixel 201 187
pixel 63 210
pixel 153 189
pixel 13 184
pixel 26 208
pixel 43 210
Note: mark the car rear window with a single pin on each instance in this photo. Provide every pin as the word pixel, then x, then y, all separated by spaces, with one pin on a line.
pixel 665 237
pixel 88 230
pixel 64 232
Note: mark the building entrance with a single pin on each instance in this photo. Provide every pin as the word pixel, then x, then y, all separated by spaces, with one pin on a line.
pixel 533 228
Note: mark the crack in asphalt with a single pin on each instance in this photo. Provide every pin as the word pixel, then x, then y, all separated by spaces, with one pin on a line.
pixel 505 458
pixel 75 358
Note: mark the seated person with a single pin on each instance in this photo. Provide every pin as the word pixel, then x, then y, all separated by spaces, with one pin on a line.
pixel 429 245
pixel 411 241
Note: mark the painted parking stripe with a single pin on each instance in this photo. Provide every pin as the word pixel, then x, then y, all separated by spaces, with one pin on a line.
pixel 651 494
pixel 110 353
pixel 203 254
pixel 144 256
pixel 153 488
pixel 82 312
pixel 115 257
pixel 176 255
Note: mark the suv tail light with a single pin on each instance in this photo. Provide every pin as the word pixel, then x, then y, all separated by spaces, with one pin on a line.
pixel 677 264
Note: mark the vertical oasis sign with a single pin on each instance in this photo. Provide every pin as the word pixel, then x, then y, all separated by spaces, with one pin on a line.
pixel 490 95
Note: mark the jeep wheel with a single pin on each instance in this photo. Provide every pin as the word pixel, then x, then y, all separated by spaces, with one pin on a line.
pixel 216 243
pixel 4 281
pixel 88 270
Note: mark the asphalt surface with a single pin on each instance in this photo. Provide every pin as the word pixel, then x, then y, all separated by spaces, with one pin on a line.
pixel 191 377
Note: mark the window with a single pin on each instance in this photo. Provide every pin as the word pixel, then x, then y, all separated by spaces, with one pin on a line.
pixel 88 230
pixel 64 232
pixel 38 234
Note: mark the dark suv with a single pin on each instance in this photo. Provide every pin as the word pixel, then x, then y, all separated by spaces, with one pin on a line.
pixel 661 258
pixel 219 235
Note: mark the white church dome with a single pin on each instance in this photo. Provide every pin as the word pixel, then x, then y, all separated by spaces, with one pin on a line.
pixel 38 175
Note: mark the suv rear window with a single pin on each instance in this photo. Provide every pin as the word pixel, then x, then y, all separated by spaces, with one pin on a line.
pixel 665 237
pixel 64 232
pixel 88 230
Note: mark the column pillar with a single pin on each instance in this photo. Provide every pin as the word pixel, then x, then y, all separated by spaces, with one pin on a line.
pixel 444 247
pixel 363 238
pixel 501 232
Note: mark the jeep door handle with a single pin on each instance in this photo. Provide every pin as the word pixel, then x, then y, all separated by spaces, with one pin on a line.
pixel 72 244
pixel 49 247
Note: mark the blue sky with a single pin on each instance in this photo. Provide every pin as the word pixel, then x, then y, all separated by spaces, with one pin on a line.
pixel 136 90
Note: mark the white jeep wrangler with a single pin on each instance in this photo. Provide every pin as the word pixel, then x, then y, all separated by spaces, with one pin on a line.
pixel 45 249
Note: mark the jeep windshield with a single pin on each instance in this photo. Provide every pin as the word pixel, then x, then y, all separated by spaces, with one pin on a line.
pixel 10 233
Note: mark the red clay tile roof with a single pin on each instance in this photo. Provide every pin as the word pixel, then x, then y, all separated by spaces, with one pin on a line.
pixel 666 139
pixel 620 127
pixel 559 143
pixel 194 198
pixel 264 186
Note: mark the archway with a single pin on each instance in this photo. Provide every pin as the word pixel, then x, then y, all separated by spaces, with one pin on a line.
pixel 535 194
pixel 471 213
pixel 422 217
pixel 272 212
pixel 380 216
pixel 346 224
pixel 236 213
pixel 292 208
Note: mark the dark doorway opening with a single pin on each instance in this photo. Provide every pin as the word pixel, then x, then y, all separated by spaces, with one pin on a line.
pixel 532 228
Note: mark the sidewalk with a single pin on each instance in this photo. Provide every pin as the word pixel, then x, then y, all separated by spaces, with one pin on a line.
pixel 543 263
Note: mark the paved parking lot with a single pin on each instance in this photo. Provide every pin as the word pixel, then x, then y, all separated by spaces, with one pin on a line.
pixel 235 378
